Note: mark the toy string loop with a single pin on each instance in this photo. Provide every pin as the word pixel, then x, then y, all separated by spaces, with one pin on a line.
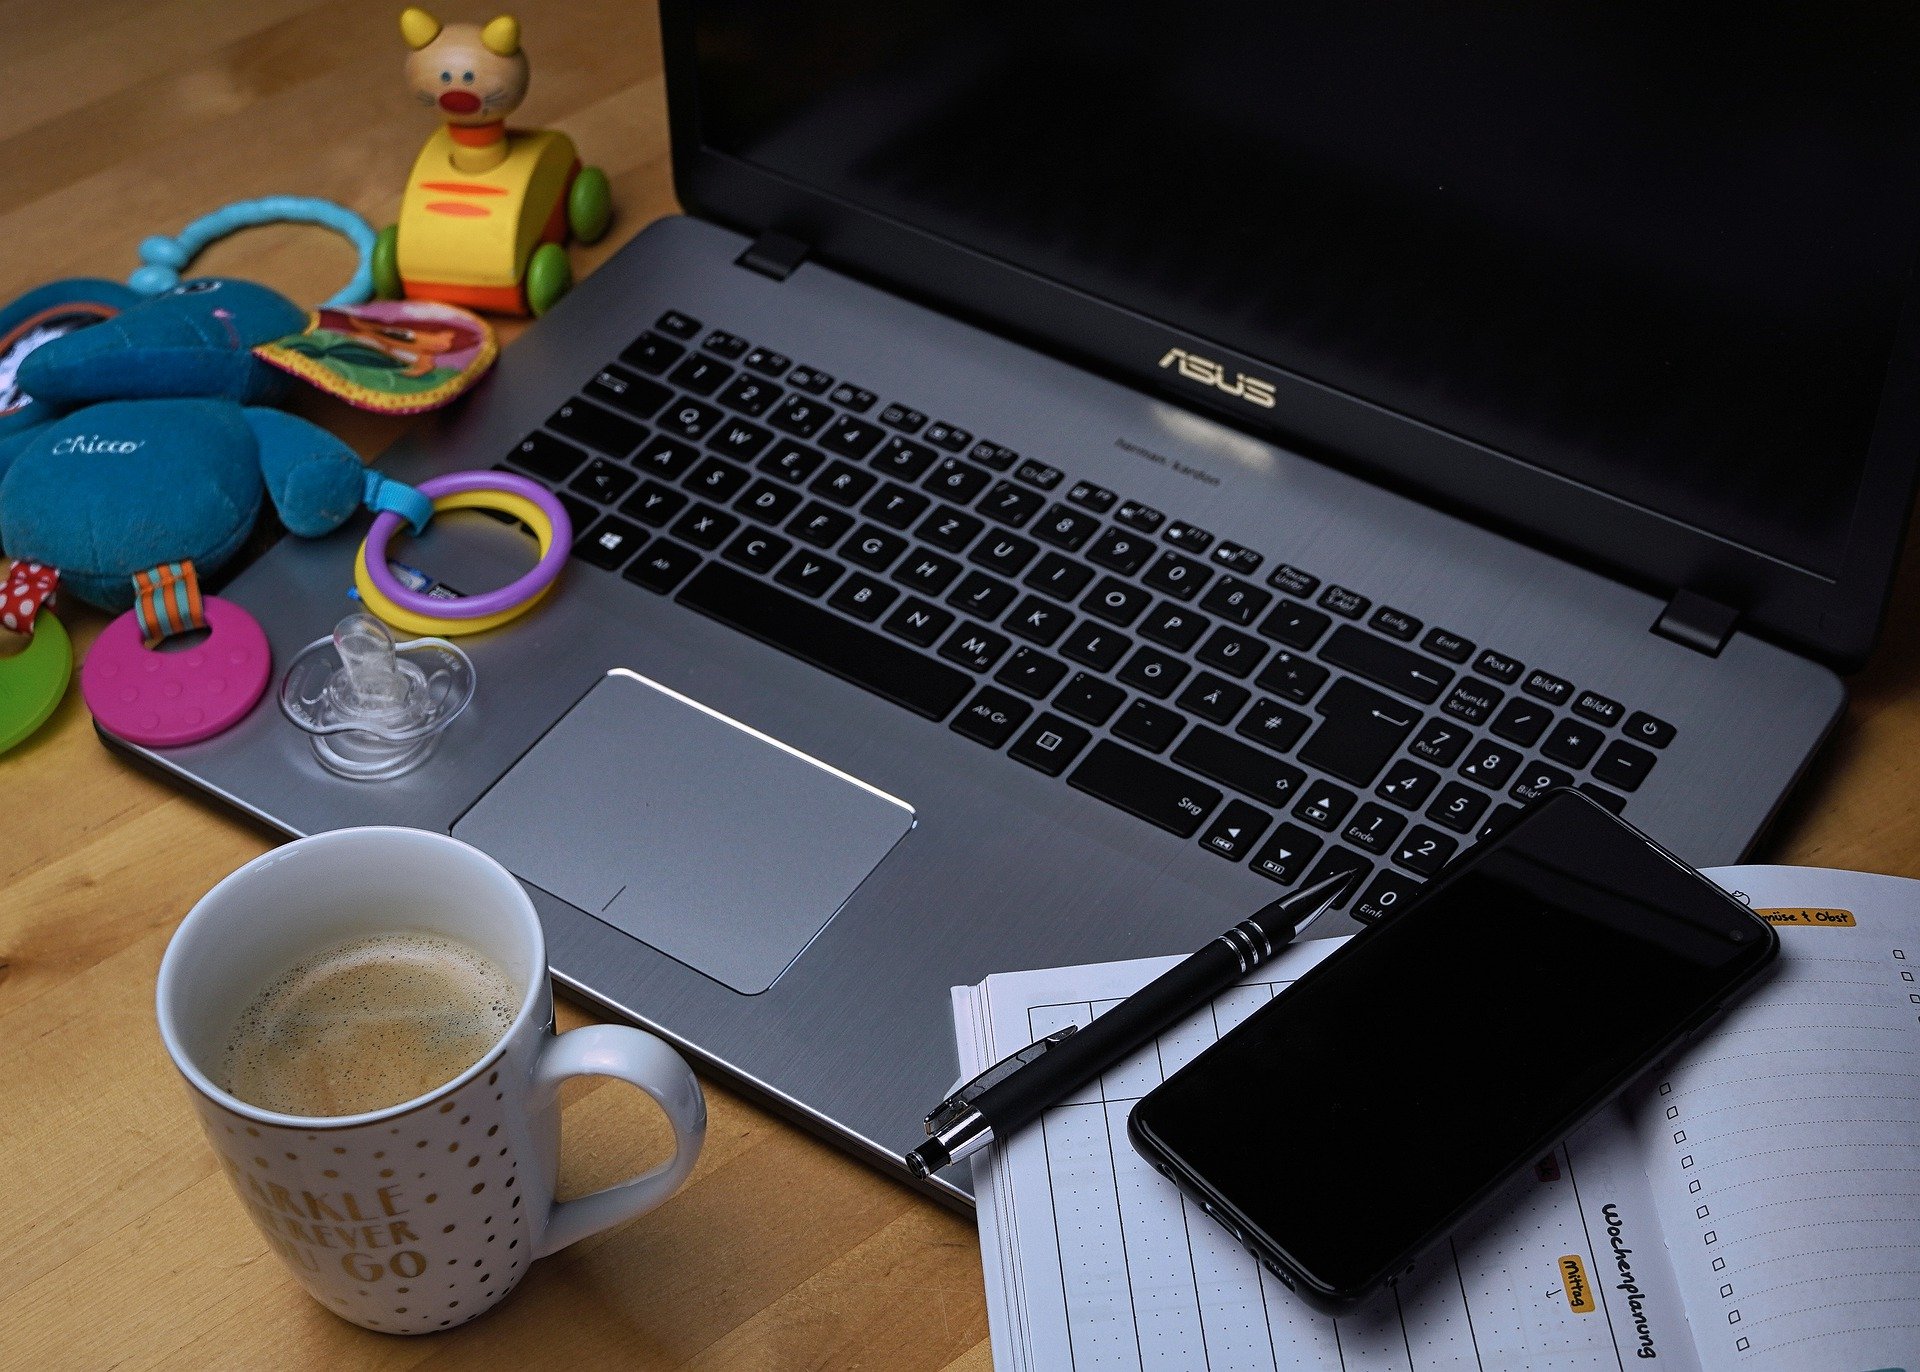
pixel 165 258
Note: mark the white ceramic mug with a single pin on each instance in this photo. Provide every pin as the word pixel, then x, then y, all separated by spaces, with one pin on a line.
pixel 422 1215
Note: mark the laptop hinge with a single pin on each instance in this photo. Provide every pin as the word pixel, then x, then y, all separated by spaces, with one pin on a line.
pixel 1696 622
pixel 773 254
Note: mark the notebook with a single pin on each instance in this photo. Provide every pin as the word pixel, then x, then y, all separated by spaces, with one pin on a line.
pixel 1753 1205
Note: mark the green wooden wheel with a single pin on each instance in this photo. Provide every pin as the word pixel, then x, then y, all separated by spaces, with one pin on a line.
pixel 549 276
pixel 386 263
pixel 589 205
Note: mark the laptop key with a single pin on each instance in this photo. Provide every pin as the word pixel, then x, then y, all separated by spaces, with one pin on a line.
pixel 1292 676
pixel 1440 741
pixel 1120 551
pixel 1065 528
pixel 1341 862
pixel 904 418
pixel 791 461
pixel 903 459
pixel 810 574
pixel 1473 700
pixel 1214 698
pixel 1038 621
pixel 728 345
pixel 954 480
pixel 1552 689
pixel 1180 577
pixel 1386 664
pixel 1005 553
pixel 1272 724
pixel 1011 504
pixel 1503 669
pixel 662 566
pixel 821 525
pixel 1037 473
pixel 689 418
pixel 1095 645
pixel 980 594
pixel 1174 626
pixel 856 398
pixel 1323 804
pixel 944 435
pixel 863 597
pixel 1235 830
pixel 1395 623
pixel 1407 784
pixel 929 573
pixel 1572 742
pixel 1154 672
pixel 895 505
pixel 1294 624
pixel 706 526
pixel 991 717
pixel 603 481
pixel 1235 600
pixel 1489 764
pixel 1644 728
pixel 1058 577
pixel 1191 537
pixel 1091 497
pixel 949 529
pixel 1049 744
pixel 1522 721
pixel 1535 779
pixel 717 480
pixel 653 503
pixel 851 437
pixel 996 456
pixel 597 428
pixel 1624 765
pixel 1089 698
pixel 609 543
pixel 547 457
pixel 1343 602
pixel 800 416
pixel 1231 651
pixel 628 392
pixel 917 622
pixel 974 646
pixel 768 500
pixel 1458 807
pixel 757 550
pixel 1118 602
pixel 652 353
pixel 1031 673
pixel 1151 726
pixel 809 379
pixel 1237 557
pixel 1599 708
pixel 873 548
pixel 1425 850
pixel 1385 894
pixel 1443 643
pixel 1286 855
pixel 1359 730
pixel 1144 787
pixel 767 362
pixel 1373 829
pixel 701 375
pixel 1293 581
pixel 740 440
pixel 678 324
pixel 1252 771
pixel 1135 515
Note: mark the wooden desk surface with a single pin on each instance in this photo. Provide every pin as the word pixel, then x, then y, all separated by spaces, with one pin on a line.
pixel 122 1244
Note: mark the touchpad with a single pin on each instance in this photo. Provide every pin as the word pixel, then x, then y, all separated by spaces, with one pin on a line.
pixel 690 831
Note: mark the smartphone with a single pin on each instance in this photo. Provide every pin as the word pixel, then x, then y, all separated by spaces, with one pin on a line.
pixel 1351 1123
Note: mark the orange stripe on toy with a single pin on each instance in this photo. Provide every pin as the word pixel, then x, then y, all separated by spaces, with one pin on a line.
pixel 462 187
pixel 457 209
pixel 167 601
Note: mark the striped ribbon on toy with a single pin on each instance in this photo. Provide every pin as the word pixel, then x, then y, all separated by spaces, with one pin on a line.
pixel 166 601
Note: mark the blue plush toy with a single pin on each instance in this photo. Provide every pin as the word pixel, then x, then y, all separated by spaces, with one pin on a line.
pixel 159 444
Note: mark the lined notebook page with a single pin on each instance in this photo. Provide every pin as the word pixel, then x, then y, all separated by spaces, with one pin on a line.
pixel 1785 1151
pixel 1094 1261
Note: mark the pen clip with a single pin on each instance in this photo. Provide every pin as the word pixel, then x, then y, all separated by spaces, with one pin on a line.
pixel 956 1105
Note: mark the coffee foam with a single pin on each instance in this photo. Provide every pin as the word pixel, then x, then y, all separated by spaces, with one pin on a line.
pixel 368 1024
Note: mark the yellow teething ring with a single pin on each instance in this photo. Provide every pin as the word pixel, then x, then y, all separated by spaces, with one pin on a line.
pixel 506 502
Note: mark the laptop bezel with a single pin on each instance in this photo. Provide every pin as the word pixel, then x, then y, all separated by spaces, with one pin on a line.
pixel 1833 618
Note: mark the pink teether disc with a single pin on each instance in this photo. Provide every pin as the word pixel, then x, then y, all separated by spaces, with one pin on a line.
pixel 160 699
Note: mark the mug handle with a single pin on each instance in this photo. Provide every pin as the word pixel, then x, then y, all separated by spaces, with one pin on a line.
pixel 631 1055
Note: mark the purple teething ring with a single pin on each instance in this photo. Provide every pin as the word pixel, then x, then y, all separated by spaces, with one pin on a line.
pixel 508 597
pixel 161 700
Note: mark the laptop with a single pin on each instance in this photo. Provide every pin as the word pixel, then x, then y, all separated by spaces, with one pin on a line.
pixel 1075 472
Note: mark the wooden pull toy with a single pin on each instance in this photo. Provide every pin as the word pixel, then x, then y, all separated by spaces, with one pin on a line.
pixel 487 209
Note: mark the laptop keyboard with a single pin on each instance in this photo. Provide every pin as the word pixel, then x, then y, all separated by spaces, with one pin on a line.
pixel 1295 726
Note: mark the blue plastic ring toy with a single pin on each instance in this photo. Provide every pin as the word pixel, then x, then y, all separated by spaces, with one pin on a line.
pixel 165 258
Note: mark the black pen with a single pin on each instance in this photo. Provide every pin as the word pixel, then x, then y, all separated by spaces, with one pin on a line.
pixel 1016 1091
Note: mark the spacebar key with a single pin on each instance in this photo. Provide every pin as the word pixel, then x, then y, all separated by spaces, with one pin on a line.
pixel 814 635
pixel 1150 790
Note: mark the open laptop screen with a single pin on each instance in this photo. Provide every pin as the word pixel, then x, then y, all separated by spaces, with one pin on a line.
pixel 1658 249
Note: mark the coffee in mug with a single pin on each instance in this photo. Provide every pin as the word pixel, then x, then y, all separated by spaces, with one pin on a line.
pixel 367 1024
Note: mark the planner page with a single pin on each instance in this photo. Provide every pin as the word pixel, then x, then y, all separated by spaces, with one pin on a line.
pixel 1095 1262
pixel 1784 1150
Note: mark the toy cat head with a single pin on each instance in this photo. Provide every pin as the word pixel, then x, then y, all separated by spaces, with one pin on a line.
pixel 195 340
pixel 470 73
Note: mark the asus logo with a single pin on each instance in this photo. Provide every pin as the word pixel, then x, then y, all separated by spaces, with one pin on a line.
pixel 1240 386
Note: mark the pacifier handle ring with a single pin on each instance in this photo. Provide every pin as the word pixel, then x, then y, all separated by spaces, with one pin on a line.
pixel 165 258
pixel 552 527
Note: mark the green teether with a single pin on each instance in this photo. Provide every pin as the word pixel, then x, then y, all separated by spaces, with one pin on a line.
pixel 33 680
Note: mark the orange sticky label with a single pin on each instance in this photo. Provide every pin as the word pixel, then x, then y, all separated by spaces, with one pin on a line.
pixel 1573 1276
pixel 1830 919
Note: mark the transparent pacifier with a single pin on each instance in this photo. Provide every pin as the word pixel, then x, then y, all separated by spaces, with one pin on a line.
pixel 373 708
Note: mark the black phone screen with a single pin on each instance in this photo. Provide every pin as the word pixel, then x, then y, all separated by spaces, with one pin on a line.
pixel 1366 1109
